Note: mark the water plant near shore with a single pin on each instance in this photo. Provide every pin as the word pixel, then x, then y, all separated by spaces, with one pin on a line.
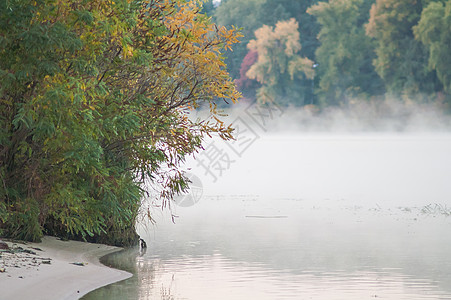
pixel 436 209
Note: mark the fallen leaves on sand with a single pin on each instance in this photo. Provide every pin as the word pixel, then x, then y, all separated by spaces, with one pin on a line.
pixel 18 257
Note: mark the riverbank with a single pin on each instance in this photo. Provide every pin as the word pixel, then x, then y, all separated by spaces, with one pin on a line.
pixel 55 269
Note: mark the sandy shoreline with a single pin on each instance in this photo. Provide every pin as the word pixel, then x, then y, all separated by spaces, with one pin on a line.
pixel 50 273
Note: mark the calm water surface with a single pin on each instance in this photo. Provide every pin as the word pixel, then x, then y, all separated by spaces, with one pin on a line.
pixel 306 217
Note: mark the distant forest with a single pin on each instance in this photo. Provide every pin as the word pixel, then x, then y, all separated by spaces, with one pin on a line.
pixel 332 53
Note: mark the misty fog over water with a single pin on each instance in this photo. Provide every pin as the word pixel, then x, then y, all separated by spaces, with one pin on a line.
pixel 372 168
pixel 325 207
pixel 391 153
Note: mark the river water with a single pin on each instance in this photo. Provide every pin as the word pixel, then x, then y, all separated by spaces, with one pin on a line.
pixel 303 217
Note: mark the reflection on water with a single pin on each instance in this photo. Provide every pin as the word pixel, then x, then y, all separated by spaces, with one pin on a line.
pixel 325 243
pixel 314 253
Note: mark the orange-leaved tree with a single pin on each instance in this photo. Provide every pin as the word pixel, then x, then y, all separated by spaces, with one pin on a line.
pixel 279 67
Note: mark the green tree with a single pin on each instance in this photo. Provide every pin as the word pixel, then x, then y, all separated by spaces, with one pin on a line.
pixel 208 8
pixel 346 53
pixel 434 31
pixel 401 61
pixel 246 16
pixel 94 97
pixel 279 67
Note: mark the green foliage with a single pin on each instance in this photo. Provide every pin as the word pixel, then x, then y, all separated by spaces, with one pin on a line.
pixel 401 61
pixel 363 48
pixel 93 101
pixel 24 223
pixel 208 8
pixel 346 53
pixel 434 31
pixel 244 15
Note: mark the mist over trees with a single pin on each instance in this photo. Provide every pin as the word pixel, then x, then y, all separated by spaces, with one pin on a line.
pixel 361 50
